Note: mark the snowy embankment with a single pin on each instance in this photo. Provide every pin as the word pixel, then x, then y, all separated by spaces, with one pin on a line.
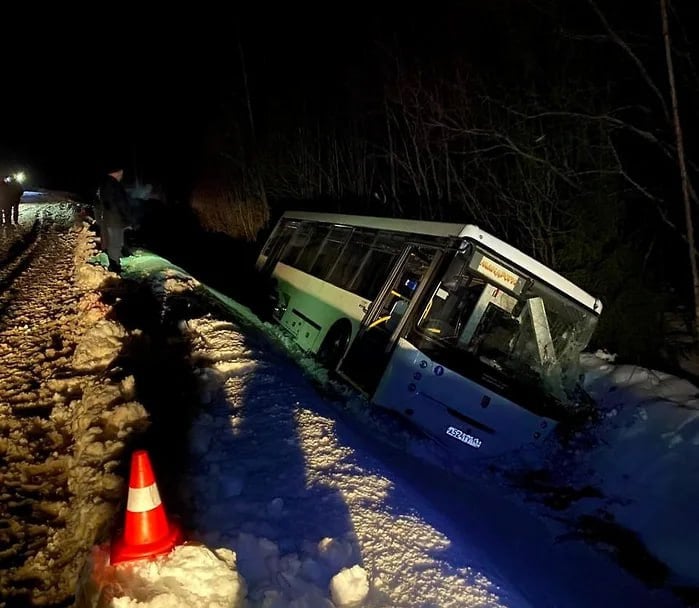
pixel 646 460
pixel 190 575
pixel 309 522
pixel 312 520
pixel 64 420
pixel 100 413
pixel 642 456
pixel 627 481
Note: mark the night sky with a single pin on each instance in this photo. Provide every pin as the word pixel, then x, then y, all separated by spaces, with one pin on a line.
pixel 335 127
pixel 81 105
pixel 151 88
pixel 144 89
pixel 148 88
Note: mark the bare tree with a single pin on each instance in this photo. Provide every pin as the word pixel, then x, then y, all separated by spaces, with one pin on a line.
pixel 689 222
pixel 667 140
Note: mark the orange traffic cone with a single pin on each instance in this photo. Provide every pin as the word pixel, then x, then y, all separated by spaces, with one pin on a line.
pixel 147 531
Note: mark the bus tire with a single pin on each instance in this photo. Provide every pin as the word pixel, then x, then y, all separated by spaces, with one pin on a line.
pixel 335 343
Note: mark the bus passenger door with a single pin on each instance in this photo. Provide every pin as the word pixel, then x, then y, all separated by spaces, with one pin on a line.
pixel 368 355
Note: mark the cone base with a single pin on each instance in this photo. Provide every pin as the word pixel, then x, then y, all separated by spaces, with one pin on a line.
pixel 122 552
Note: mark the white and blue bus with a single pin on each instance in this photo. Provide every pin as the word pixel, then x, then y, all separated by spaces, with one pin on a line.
pixel 473 340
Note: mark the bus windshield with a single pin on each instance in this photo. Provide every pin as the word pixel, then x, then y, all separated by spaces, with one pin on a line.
pixel 514 325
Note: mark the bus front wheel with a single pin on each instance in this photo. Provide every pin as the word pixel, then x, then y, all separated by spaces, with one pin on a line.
pixel 335 343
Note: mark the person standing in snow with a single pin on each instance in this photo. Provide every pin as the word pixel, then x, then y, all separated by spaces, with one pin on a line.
pixel 113 215
pixel 10 194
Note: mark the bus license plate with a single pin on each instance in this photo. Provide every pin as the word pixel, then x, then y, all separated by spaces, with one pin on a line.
pixel 474 442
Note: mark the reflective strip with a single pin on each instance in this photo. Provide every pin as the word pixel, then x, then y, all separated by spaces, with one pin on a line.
pixel 143 499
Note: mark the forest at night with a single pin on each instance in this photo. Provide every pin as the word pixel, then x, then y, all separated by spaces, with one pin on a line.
pixel 552 124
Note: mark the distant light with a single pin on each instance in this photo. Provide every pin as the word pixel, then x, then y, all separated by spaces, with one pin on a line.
pixel 20 177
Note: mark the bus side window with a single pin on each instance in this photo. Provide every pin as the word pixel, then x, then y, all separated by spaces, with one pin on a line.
pixel 299 240
pixel 373 273
pixel 375 267
pixel 276 239
pixel 351 258
pixel 330 251
pixel 310 251
pixel 277 244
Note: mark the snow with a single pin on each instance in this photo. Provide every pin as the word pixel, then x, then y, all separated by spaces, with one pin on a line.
pixel 349 587
pixel 299 493
pixel 63 431
pixel 647 457
pixel 99 347
pixel 190 575
pixel 323 501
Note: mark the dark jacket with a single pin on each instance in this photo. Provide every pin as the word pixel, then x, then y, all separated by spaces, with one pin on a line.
pixel 113 201
pixel 10 194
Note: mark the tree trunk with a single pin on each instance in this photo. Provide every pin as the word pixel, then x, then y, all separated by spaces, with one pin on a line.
pixel 391 159
pixel 681 162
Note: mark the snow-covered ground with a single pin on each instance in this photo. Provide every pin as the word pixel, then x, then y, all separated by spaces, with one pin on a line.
pixel 297 492
pixel 63 421
pixel 646 460
pixel 303 495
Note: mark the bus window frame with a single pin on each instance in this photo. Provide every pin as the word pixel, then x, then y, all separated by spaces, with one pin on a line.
pixel 347 239
pixel 422 288
pixel 351 285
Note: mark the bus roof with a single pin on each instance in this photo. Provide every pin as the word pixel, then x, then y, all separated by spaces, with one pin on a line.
pixel 467 231
pixel 380 223
pixel 531 265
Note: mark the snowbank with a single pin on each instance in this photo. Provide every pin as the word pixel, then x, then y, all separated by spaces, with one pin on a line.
pixel 646 458
pixel 189 576
pixel 100 347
